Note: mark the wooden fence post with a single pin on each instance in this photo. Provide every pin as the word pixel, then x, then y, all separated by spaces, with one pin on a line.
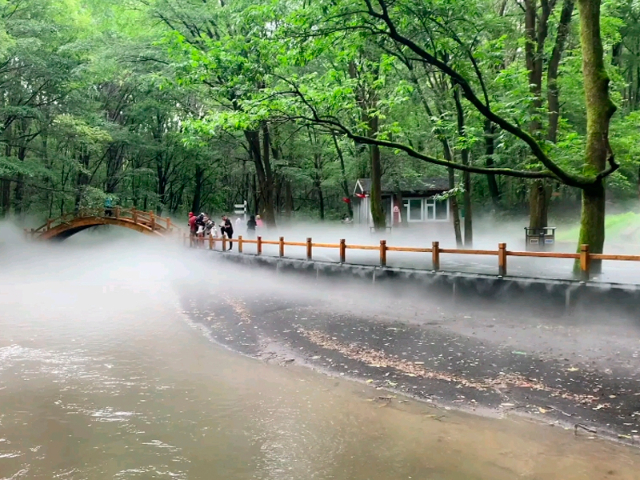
pixel 117 212
pixel 168 223
pixel 153 220
pixel 240 244
pixel 309 249
pixel 135 215
pixel 435 256
pixel 259 245
pixel 224 243
pixel 49 224
pixel 211 244
pixel 343 250
pixel 585 262
pixel 281 252
pixel 502 259
pixel 383 253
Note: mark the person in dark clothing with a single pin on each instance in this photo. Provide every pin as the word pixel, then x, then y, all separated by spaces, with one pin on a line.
pixel 201 221
pixel 227 229
pixel 251 226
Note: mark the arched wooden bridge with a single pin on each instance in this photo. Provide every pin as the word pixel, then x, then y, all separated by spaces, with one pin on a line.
pixel 72 223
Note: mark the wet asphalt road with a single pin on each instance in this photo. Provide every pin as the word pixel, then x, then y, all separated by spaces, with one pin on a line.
pixel 562 371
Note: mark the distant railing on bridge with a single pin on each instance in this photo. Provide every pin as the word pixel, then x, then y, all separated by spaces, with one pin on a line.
pixel 584 257
pixel 137 217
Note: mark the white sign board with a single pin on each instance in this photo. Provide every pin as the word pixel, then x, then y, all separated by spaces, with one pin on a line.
pixel 241 209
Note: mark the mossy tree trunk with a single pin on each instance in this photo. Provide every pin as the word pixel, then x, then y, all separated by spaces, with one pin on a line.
pixel 375 196
pixel 539 195
pixel 600 108
pixel 466 176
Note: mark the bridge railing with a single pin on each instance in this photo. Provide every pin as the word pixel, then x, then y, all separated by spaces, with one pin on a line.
pixel 138 217
pixel 584 257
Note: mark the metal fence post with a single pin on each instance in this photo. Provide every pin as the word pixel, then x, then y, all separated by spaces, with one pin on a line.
pixel 281 249
pixel 343 250
pixel 259 245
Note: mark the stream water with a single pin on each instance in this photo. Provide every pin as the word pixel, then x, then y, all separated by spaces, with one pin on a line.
pixel 102 377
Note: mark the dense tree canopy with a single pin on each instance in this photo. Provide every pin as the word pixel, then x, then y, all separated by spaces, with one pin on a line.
pixel 178 105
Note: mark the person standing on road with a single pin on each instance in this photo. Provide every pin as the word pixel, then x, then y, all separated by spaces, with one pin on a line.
pixel 200 223
pixel 108 207
pixel 192 228
pixel 227 229
pixel 258 221
pixel 251 227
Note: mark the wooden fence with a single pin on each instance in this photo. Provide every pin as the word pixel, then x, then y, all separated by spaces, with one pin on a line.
pixel 584 256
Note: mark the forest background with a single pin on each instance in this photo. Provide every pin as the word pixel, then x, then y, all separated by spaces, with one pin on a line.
pixel 526 106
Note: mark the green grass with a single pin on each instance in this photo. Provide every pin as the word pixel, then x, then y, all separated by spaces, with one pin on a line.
pixel 623 227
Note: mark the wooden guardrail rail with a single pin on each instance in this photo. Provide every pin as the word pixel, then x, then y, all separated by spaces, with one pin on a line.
pixel 584 256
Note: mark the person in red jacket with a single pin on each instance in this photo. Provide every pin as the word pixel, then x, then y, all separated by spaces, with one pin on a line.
pixel 192 227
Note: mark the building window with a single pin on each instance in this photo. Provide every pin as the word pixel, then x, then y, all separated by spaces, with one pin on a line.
pixel 415 209
pixel 437 209
pixel 427 210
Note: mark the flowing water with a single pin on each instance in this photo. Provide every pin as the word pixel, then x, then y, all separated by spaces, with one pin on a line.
pixel 102 377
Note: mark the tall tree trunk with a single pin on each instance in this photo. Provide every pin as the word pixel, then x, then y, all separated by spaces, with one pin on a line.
pixel 268 207
pixel 82 178
pixel 5 197
pixel 538 204
pixel 489 143
pixel 115 159
pixel 466 176
pixel 18 192
pixel 455 209
pixel 288 200
pixel 536 29
pixel 553 96
pixel 448 155
pixel 600 109
pixel 196 204
pixel 375 195
pixel 264 176
pixel 317 160
pixel 345 183
pixel 5 185
pixel 320 200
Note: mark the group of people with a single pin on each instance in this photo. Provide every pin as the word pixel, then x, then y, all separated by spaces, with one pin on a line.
pixel 202 226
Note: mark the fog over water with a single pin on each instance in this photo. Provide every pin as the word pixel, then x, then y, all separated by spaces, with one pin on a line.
pixel 103 376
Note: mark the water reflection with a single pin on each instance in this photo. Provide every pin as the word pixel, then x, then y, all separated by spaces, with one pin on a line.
pixel 110 381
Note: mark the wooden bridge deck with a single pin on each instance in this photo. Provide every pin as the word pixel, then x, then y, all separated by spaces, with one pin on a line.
pixel 71 223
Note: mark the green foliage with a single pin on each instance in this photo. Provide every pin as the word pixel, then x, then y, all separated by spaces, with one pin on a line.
pixel 155 101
